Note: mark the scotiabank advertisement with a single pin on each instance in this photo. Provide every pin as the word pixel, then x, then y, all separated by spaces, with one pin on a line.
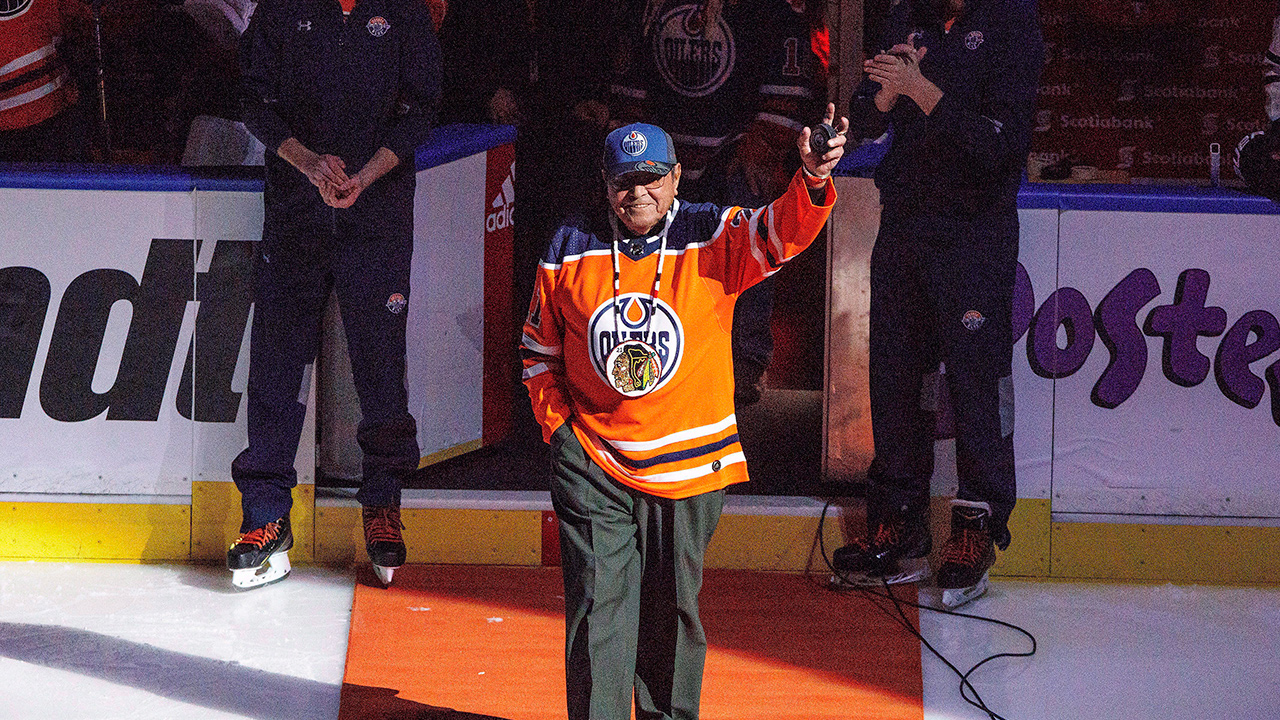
pixel 1146 87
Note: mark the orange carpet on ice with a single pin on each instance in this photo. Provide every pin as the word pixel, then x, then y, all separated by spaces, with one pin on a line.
pixel 487 643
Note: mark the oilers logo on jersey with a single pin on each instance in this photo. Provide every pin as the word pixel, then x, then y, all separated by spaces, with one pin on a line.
pixel 13 8
pixel 694 60
pixel 633 370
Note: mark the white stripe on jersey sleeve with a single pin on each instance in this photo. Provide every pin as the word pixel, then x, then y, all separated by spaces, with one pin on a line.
pixel 776 241
pixel 628 91
pixel 776 119
pixel 791 90
pixel 534 371
pixel 753 229
pixel 534 345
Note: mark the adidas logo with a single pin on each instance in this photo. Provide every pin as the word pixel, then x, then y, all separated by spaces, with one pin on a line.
pixel 503 205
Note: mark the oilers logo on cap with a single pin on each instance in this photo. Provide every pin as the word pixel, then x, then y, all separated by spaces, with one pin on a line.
pixel 635 143
pixel 638 147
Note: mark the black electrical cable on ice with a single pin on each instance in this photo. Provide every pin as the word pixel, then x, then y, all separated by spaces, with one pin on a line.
pixel 966 686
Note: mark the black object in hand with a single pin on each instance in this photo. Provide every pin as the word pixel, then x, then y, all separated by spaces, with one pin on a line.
pixel 820 138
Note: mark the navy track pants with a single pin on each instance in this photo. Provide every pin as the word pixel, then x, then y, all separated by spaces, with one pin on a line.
pixel 943 292
pixel 368 267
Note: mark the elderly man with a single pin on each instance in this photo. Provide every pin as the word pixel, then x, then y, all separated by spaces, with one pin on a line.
pixel 628 363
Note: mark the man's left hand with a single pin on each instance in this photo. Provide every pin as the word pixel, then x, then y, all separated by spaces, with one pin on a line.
pixel 822 165
pixel 344 195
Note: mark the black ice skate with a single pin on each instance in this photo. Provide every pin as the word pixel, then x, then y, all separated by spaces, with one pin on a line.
pixel 898 552
pixel 968 554
pixel 261 556
pixel 382 540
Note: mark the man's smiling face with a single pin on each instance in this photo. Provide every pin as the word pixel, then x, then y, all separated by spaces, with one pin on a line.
pixel 641 199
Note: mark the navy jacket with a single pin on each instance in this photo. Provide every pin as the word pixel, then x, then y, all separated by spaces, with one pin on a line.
pixel 965 160
pixel 342 88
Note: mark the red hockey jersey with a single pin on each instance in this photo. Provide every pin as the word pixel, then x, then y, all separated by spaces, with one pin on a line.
pixel 680 438
pixel 34 82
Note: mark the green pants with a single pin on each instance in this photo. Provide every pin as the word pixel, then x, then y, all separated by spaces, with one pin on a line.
pixel 632 566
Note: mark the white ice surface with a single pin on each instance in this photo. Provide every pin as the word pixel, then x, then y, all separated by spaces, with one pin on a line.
pixel 100 641
pixel 1112 652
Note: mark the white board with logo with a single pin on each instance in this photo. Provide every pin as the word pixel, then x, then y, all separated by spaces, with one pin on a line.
pixel 1173 410
pixel 1147 360
pixel 124 341
pixel 115 315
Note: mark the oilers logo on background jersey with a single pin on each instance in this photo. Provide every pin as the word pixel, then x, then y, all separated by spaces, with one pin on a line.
pixel 13 8
pixel 694 60
pixel 665 334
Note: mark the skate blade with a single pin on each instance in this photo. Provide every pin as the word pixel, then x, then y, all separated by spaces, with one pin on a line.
pixel 384 574
pixel 850 580
pixel 908 571
pixel 953 598
pixel 275 569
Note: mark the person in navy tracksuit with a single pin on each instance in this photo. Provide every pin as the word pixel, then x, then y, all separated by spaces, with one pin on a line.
pixel 957 81
pixel 341 94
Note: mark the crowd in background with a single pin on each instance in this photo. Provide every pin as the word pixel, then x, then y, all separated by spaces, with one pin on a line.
pixel 169 76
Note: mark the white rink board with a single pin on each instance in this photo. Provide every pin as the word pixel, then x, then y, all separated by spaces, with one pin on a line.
pixel 66 234
pixel 446 307
pixel 1160 450
pixel 1169 449
pixel 1033 395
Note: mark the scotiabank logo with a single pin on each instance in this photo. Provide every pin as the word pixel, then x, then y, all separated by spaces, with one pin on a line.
pixel 503 205
pixel 157 303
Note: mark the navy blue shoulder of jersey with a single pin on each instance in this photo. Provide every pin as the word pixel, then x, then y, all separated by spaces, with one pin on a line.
pixel 695 223
pixel 577 235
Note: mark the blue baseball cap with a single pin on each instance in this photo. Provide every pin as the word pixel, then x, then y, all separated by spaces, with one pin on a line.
pixel 638 147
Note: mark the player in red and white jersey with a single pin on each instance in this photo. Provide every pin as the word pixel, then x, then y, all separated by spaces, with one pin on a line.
pixel 628 363
pixel 36 88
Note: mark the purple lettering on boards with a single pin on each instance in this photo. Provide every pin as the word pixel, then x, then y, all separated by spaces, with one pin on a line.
pixel 1231 365
pixel 1117 324
pixel 1067 308
pixel 1181 323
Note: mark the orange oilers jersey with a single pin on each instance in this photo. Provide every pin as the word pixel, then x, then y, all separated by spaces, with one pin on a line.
pixel 679 439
